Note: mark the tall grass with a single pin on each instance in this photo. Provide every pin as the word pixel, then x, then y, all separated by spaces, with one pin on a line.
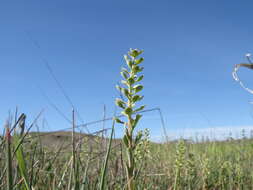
pixel 171 165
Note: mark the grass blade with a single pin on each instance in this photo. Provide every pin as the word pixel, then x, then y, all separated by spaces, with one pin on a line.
pixel 102 180
pixel 9 159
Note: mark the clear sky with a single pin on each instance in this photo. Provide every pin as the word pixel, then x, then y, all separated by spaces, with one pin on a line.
pixel 190 48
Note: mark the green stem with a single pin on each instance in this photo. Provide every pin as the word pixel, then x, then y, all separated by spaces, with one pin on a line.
pixel 102 181
pixel 9 160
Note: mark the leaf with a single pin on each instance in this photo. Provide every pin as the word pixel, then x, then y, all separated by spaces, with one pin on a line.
pixel 126 58
pixel 125 92
pixel 140 69
pixel 125 140
pixel 137 119
pixel 124 74
pixel 130 64
pixel 138 61
pixel 137 98
pixel 128 61
pixel 125 70
pixel 9 159
pixel 105 165
pixel 21 162
pixel 120 103
pixel 139 78
pixel 128 111
pixel 130 81
pixel 119 121
pixel 137 88
pixel 138 138
pixel 139 109
pixel 137 69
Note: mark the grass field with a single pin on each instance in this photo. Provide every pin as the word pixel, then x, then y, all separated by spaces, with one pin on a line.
pixel 45 161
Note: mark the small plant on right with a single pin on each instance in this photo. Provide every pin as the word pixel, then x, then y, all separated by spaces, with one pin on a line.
pixel 130 92
pixel 180 163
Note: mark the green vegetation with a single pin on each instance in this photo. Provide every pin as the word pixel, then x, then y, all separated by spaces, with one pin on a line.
pixel 70 160
pixel 130 91
pixel 172 165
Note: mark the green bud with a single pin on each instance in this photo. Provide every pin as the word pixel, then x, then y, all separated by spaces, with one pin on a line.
pixel 134 52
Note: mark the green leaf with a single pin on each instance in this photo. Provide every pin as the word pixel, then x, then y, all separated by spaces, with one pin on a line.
pixel 119 121
pixel 105 165
pixel 139 78
pixel 137 98
pixel 126 58
pixel 130 81
pixel 120 103
pixel 128 61
pixel 125 140
pixel 20 156
pixel 125 70
pixel 130 64
pixel 139 109
pixel 137 69
pixel 138 138
pixel 125 92
pixel 138 61
pixel 137 119
pixel 124 74
pixel 128 111
pixel 137 88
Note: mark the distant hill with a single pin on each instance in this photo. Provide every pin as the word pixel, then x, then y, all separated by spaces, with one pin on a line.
pixel 63 139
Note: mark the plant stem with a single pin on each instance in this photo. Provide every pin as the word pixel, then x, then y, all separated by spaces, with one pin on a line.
pixel 9 159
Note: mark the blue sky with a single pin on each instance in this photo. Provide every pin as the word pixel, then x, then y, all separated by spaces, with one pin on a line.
pixel 190 48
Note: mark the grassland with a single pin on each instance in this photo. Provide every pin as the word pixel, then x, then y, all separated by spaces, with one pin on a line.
pixel 48 164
